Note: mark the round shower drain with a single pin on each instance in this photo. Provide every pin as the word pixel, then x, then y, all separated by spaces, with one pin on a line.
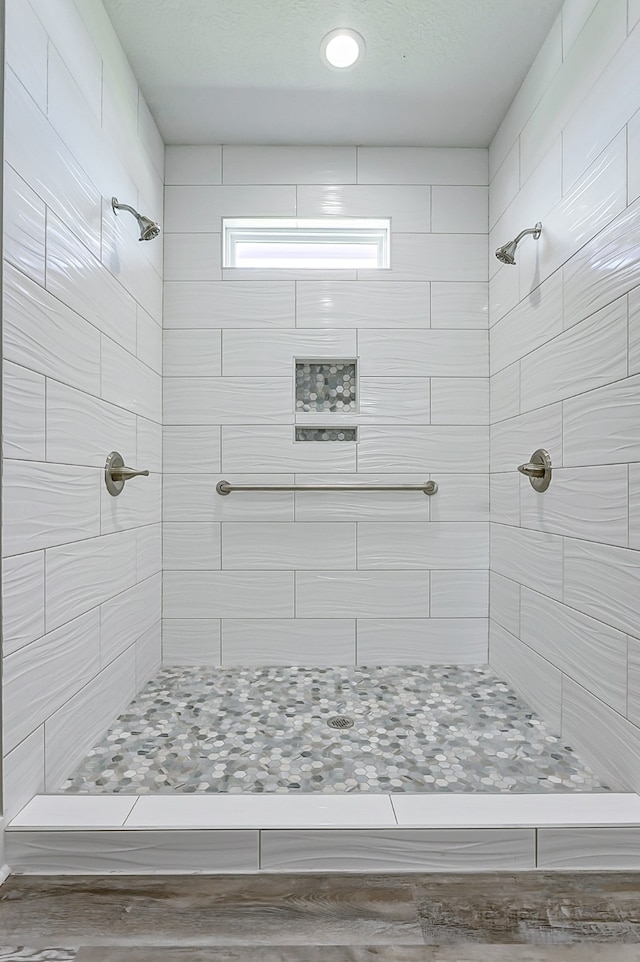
pixel 340 721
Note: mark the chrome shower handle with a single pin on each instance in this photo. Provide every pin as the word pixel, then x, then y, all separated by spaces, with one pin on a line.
pixel 116 473
pixel 125 474
pixel 532 470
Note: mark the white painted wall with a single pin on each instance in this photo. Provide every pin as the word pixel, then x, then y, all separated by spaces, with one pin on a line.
pixel 315 578
pixel 565 375
pixel 82 349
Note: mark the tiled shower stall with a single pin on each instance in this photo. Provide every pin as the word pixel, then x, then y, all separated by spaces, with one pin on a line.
pixel 457 368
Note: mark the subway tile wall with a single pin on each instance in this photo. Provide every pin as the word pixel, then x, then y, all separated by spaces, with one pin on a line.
pixel 322 577
pixel 565 565
pixel 82 348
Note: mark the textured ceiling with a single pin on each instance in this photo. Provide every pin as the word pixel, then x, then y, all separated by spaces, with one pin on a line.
pixel 436 72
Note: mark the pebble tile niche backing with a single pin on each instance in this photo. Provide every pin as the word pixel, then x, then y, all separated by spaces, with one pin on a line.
pixel 326 386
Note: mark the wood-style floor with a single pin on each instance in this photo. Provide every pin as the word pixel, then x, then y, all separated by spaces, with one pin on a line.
pixel 526 917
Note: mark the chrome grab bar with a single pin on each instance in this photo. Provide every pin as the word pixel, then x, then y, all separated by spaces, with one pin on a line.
pixel 225 487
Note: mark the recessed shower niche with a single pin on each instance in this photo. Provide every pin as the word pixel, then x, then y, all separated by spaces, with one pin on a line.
pixel 327 386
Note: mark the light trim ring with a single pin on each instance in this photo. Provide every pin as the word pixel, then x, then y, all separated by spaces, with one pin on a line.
pixel 342 48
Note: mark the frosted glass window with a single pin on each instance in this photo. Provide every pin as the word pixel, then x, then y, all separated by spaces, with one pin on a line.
pixel 292 243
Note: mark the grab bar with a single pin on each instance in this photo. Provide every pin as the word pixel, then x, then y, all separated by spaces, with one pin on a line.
pixel 225 487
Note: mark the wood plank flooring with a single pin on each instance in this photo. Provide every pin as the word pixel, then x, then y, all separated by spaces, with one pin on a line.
pixel 407 918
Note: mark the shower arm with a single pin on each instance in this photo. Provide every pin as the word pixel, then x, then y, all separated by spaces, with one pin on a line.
pixel 536 231
pixel 117 206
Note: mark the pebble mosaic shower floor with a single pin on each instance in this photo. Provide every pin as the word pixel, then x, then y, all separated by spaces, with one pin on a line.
pixel 416 729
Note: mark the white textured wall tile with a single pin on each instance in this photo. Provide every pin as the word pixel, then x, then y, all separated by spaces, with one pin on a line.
pixel 408 207
pixel 148 651
pixel 23 774
pixel 148 550
pixel 149 444
pixel 634 506
pixel 191 547
pixel 22 600
pixel 299 545
pixel 432 545
pixel 193 165
pixel 595 849
pixel 200 209
pixel 75 45
pixel 357 304
pixel 84 574
pixel 358 594
pixel 543 69
pixel 634 14
pixel 140 504
pixel 138 852
pixel 634 331
pixel 513 441
pixel 192 353
pixel 129 383
pixel 267 449
pixel 401 850
pixel 461 498
pixel 532 558
pixel 191 257
pixel 46 504
pixel 191 641
pixel 505 184
pixel 462 305
pixel 535 679
pixel 362 505
pixel 24 225
pixel 603 581
pixel 255 353
pixel 599 40
pixel 459 210
pixel 601 427
pixel 82 429
pixel 422 165
pixel 23 435
pixel 575 14
pixel 633 157
pixel 51 171
pixel 459 400
pixel 422 641
pixel 46 673
pixel 228 594
pixel 43 334
pixel 460 594
pixel 434 257
pixel 294 641
pixel 608 105
pixel 434 449
pixel 588 355
pixel 588 651
pixel 504 602
pixel 505 393
pixel 606 741
pixel 78 279
pixel 234 304
pixel 504 497
pixel 419 353
pixel 586 503
pixel 194 498
pixel 535 320
pixel 148 340
pixel 26 49
pixel 227 400
pixel 195 449
pixel 504 291
pixel 605 268
pixel 82 721
pixel 289 165
pixel 128 616
pixel 385 400
pixel 633 682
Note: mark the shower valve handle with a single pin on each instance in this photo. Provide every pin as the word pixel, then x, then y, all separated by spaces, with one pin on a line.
pixel 532 470
pixel 116 473
pixel 125 474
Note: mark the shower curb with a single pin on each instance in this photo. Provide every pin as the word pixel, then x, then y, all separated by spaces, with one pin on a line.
pixel 93 834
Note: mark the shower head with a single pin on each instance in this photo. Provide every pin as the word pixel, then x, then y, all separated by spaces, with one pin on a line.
pixel 148 228
pixel 507 253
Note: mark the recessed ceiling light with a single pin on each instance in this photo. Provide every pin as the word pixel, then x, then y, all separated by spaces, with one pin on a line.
pixel 342 48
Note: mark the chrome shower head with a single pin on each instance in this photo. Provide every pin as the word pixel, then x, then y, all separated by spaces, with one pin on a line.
pixel 507 253
pixel 148 228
